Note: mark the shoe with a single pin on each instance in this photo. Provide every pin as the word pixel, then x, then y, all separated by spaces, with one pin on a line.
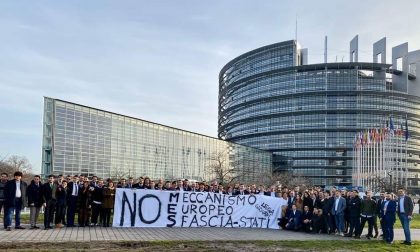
pixel 46 228
pixel 58 225
pixel 36 227
pixel 376 236
pixel 31 228
pixel 19 227
pixel 8 229
pixel 406 243
pixel 347 235
pixel 358 237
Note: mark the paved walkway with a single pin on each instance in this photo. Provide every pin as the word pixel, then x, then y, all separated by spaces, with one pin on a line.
pixel 153 234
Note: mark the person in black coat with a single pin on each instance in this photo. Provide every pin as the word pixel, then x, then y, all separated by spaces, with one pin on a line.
pixel 241 190
pixel 3 182
pixel 306 219
pixel 307 201
pixel 73 190
pixel 35 200
pixel 319 223
pixel 85 204
pixel 97 198
pixel 61 206
pixel 49 197
pixel 354 214
pixel 15 200
pixel 326 211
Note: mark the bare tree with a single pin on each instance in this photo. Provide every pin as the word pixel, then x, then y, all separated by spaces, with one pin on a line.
pixel 386 184
pixel 119 173
pixel 289 180
pixel 17 163
pixel 222 169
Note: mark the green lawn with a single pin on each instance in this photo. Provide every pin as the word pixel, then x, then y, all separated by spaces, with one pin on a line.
pixel 414 224
pixel 234 246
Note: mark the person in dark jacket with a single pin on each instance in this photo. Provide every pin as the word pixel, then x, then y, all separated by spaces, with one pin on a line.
pixel 306 219
pixel 306 199
pixel 319 222
pixel 97 196
pixel 388 210
pixel 49 197
pixel 35 200
pixel 108 203
pixel 3 181
pixel 367 212
pixel 294 219
pixel 326 211
pixel 85 204
pixel 378 212
pixel 61 205
pixel 354 214
pixel 73 190
pixel 15 200
pixel 405 214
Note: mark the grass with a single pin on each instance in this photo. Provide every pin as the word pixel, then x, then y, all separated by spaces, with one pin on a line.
pixel 234 246
pixel 414 223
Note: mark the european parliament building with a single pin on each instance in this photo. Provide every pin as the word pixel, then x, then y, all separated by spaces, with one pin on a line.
pixel 276 113
pixel 307 115
pixel 82 140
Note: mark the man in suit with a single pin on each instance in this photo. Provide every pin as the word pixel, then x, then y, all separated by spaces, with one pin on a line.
pixel 378 213
pixel 337 211
pixel 35 202
pixel 388 210
pixel 291 200
pixel 15 200
pixel 185 186
pixel 242 190
pixel 73 190
pixel 49 197
pixel 294 219
pixel 306 219
pixel 405 214
pixel 354 214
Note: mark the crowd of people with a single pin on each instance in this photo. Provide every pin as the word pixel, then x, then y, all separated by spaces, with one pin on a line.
pixel 313 210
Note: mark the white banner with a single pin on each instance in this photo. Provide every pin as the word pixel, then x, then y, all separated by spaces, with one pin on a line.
pixel 153 208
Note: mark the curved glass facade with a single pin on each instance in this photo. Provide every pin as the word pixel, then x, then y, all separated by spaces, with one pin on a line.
pixel 308 115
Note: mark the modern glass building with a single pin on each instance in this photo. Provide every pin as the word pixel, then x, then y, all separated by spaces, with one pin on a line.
pixel 308 115
pixel 82 140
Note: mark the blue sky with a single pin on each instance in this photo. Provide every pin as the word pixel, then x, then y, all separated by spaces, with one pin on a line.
pixel 159 60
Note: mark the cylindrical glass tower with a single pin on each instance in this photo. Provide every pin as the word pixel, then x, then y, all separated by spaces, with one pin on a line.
pixel 308 115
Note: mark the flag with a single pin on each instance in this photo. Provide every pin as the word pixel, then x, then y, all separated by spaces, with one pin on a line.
pixel 391 126
pixel 406 129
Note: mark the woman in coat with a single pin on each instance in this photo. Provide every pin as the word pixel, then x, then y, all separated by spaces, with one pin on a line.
pixel 108 203
pixel 85 204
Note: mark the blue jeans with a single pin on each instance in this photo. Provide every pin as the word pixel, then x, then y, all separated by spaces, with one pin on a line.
pixel 339 222
pixel 405 223
pixel 9 213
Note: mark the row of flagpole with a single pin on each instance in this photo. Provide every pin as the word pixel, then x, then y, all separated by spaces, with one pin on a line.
pixel 378 155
